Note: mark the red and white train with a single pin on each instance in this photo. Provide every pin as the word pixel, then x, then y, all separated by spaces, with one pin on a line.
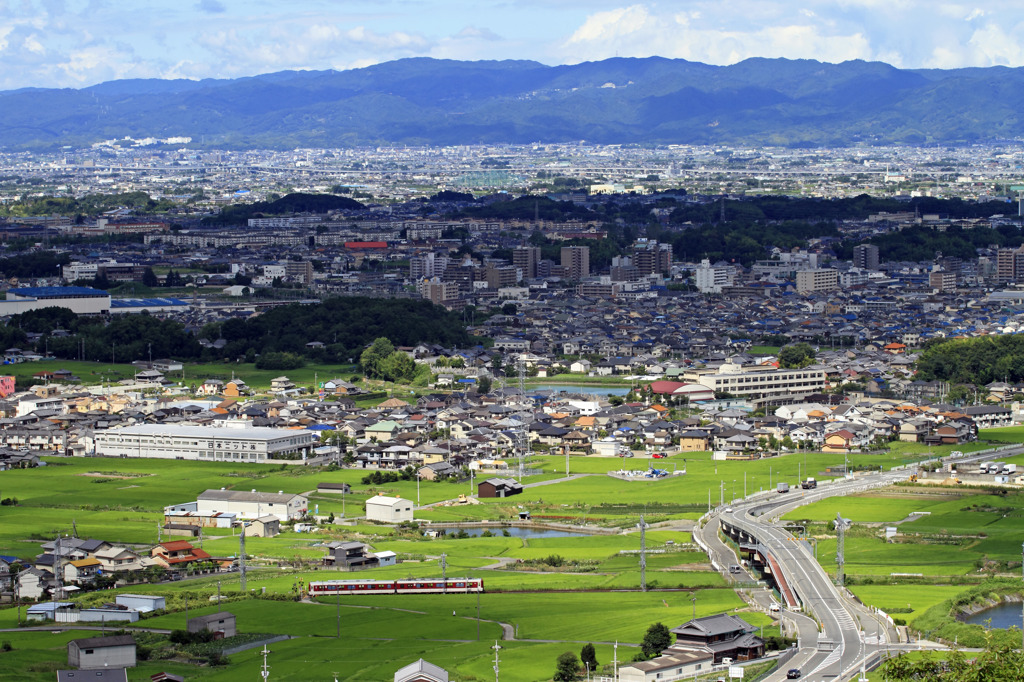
pixel 414 586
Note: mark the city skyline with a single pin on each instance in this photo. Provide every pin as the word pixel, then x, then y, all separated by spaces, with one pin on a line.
pixel 68 43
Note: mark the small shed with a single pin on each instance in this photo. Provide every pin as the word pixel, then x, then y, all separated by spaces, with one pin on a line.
pixel 388 509
pixel 499 487
pixel 144 603
pixel 387 558
pixel 222 622
pixel 94 653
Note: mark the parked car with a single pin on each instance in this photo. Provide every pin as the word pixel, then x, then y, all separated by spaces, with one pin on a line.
pixel 659 455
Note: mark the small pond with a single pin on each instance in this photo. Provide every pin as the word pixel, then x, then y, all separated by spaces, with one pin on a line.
pixel 1002 616
pixel 517 532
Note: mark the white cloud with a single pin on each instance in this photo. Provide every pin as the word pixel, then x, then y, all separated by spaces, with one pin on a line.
pixel 906 33
pixel 477 33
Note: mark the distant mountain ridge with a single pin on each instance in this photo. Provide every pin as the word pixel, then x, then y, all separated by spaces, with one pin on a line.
pixel 423 101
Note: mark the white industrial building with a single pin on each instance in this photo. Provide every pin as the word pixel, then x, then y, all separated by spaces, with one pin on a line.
pixel 238 442
pixel 252 504
pixel 80 300
pixel 388 509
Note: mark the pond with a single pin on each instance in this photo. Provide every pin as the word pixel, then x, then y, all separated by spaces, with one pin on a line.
pixel 1002 616
pixel 517 532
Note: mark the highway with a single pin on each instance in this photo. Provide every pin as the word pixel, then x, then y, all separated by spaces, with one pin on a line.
pixel 836 635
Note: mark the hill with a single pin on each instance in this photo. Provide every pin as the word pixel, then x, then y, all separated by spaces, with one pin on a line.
pixel 429 101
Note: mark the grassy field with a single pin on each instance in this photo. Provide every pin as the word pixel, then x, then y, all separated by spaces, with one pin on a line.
pixel 122 501
pixel 959 531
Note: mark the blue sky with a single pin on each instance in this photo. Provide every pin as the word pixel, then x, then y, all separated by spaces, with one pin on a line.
pixel 74 43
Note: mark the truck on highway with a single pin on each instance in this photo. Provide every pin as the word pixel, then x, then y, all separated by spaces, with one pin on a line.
pixel 809 484
pixel 782 487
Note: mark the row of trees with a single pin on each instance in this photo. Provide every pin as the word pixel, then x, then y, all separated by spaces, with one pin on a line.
pixel 980 360
pixel 277 338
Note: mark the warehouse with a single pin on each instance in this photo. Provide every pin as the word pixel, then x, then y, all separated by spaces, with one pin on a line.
pixel 236 443
pixel 388 509
pixel 253 504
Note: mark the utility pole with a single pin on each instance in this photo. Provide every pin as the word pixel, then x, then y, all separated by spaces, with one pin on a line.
pixel 841 526
pixel 615 661
pixel 497 661
pixel 265 671
pixel 241 557
pixel 643 554
pixel 338 616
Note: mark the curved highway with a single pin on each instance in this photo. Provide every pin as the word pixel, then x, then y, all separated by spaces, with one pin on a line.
pixel 835 633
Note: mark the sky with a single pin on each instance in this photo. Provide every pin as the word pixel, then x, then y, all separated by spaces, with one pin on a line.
pixel 76 43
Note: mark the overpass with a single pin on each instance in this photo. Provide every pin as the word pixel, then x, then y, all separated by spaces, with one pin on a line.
pixel 837 635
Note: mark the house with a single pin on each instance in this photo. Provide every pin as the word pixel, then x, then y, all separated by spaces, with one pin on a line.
pixel 118 559
pixel 724 636
pixel 386 509
pixel 101 653
pixel 499 487
pixel 236 388
pixel 421 671
pixel 436 470
pixel 281 384
pixel 222 623
pixel 177 554
pixel 263 527
pixel 33 583
pixel 350 556
pixel 387 558
pixel 210 387
pixel 82 571
pixel 672 664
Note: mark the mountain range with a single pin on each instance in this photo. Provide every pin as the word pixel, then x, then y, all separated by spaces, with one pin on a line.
pixel 424 101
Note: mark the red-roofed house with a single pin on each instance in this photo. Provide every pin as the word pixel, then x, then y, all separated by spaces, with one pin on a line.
pixel 177 554
pixel 838 441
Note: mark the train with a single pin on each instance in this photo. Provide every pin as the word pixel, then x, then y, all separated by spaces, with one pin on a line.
pixel 319 588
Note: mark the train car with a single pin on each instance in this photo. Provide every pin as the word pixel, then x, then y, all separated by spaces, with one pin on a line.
pixel 411 586
pixel 323 587
pixel 434 586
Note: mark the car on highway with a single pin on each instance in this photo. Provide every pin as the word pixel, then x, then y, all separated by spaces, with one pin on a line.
pixel 793 674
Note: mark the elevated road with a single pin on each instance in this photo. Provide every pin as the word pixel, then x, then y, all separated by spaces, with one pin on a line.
pixel 836 635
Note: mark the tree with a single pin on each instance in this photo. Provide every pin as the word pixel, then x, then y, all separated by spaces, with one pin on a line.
pixel 483 385
pixel 1001 663
pixel 149 278
pixel 588 657
pixel 397 366
pixel 657 639
pixel 796 356
pixel 567 668
pixel 374 356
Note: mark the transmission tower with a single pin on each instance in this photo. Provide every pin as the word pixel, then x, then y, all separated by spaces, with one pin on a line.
pixel 841 526
pixel 643 554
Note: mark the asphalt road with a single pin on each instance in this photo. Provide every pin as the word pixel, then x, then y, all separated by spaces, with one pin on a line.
pixel 834 632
